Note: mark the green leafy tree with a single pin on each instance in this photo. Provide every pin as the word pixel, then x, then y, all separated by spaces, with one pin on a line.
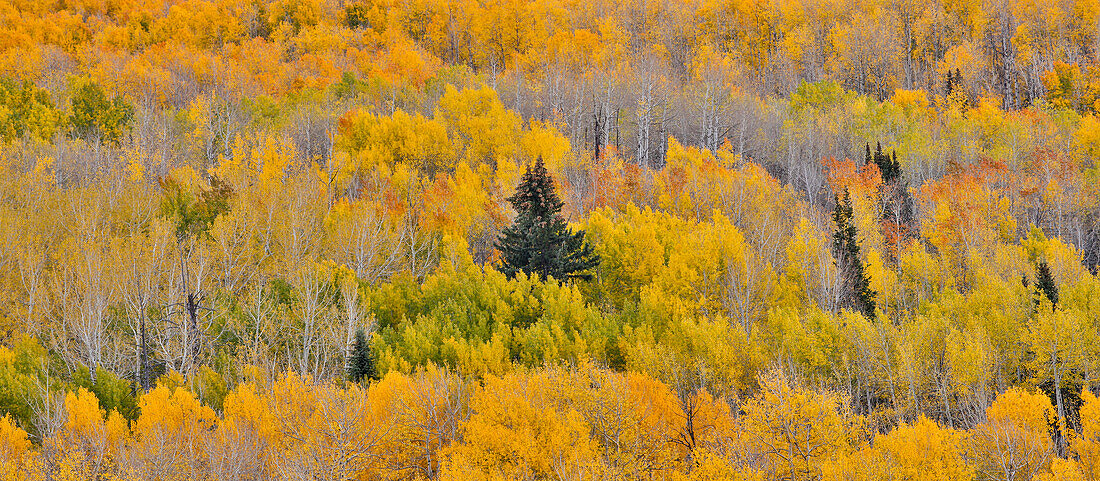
pixel 23 370
pixel 539 242
pixel 193 213
pixel 113 392
pixel 361 366
pixel 856 283
pixel 96 118
pixel 26 110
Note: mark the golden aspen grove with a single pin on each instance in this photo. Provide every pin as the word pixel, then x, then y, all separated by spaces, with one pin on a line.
pixel 549 240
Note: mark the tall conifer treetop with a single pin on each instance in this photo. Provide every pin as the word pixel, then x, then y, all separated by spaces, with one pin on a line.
pixel 1044 282
pixel 539 242
pixel 361 364
pixel 857 284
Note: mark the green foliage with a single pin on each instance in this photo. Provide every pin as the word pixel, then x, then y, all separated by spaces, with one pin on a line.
pixel 1072 387
pixel 113 392
pixel 951 83
pixel 348 87
pixel 954 90
pixel 364 15
pixel 539 242
pixel 1044 282
pixel 481 322
pixel 210 386
pixel 264 110
pixel 820 95
pixel 887 164
pixel 193 214
pixel 22 376
pixel 361 365
pixel 26 111
pixel 96 118
pixel 846 250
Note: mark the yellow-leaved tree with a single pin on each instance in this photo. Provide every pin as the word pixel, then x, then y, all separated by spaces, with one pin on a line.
pixel 923 450
pixel 18 462
pixel 1014 441
pixel 790 431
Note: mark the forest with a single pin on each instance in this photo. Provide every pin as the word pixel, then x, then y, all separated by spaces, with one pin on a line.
pixel 793 240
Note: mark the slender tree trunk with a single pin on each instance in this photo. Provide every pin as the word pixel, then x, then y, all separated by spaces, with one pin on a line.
pixel 192 330
pixel 143 356
pixel 1061 407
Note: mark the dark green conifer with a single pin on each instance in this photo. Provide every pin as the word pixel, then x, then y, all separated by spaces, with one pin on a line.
pixel 859 295
pixel 361 363
pixel 888 166
pixel 1044 282
pixel 539 242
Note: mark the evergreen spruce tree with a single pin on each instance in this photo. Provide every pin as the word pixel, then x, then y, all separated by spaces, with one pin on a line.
pixel 896 202
pixel 887 165
pixel 361 364
pixel 953 88
pixel 539 242
pixel 1044 282
pixel 846 250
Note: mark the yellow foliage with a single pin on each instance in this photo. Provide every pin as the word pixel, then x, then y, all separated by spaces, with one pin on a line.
pixel 544 140
pixel 923 450
pixel 522 429
pixel 478 119
pixel 913 102
pixel 792 430
pixel 1014 441
pixel 1062 470
pixel 85 418
pixel 1086 445
pixel 15 447
pixel 171 427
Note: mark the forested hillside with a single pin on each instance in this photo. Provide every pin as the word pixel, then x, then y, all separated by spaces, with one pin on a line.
pixel 549 239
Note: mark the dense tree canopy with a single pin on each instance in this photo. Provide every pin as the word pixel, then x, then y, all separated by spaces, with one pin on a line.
pixel 599 239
